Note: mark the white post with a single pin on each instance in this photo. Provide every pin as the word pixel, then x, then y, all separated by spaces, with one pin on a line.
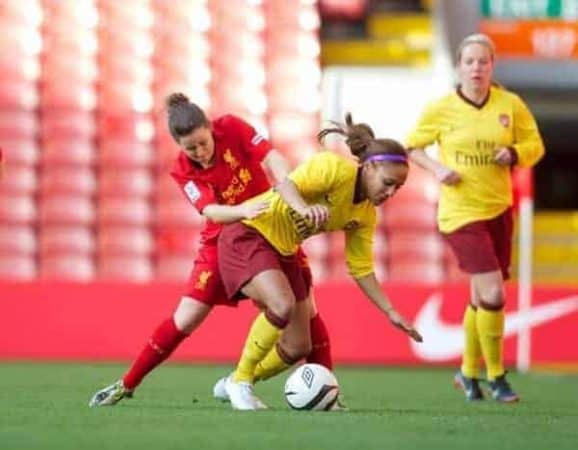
pixel 526 218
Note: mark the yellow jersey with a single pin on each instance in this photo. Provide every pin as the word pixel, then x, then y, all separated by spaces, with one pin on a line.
pixel 327 179
pixel 468 137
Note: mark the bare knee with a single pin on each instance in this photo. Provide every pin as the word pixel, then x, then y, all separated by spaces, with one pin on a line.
pixel 492 296
pixel 282 307
pixel 189 314
pixel 296 349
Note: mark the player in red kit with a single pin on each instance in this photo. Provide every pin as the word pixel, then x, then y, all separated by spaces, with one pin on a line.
pixel 219 167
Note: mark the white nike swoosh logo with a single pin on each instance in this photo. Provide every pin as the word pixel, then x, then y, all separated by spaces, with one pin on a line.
pixel 443 341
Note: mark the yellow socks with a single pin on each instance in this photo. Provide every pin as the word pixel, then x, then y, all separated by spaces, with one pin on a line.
pixel 491 332
pixel 261 339
pixel 271 365
pixel 472 351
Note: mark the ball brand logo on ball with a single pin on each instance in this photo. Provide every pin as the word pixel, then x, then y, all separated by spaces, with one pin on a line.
pixel 504 120
pixel 307 376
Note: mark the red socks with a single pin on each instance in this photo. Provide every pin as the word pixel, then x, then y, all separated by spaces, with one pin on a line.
pixel 321 353
pixel 159 347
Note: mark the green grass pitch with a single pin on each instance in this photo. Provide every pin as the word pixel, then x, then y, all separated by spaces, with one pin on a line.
pixel 44 406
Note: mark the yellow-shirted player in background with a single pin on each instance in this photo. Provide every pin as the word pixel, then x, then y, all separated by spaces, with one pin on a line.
pixel 483 131
pixel 257 258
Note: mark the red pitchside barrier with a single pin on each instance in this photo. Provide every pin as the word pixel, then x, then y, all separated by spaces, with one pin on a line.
pixel 112 321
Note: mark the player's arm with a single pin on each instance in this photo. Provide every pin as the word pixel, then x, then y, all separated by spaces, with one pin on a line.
pixel 528 147
pixel 359 257
pixel 426 133
pixel 202 197
pixel 370 287
pixel 277 165
pixel 310 179
pixel 234 213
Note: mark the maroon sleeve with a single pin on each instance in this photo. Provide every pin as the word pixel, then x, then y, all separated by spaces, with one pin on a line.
pixel 252 143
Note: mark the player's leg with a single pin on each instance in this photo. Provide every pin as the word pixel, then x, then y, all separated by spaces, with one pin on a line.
pixel 293 345
pixel 320 341
pixel 467 378
pixel 473 248
pixel 271 289
pixel 189 314
pixel 203 288
pixel 490 323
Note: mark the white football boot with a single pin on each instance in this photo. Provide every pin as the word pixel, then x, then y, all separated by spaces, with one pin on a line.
pixel 110 395
pixel 219 390
pixel 242 397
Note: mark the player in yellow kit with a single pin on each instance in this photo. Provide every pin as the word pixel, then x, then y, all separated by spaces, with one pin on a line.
pixel 257 258
pixel 483 131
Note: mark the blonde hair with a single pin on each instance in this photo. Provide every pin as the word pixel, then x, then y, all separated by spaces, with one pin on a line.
pixel 476 38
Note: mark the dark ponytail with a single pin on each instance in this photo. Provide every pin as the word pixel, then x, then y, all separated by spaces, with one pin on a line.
pixel 361 140
pixel 183 116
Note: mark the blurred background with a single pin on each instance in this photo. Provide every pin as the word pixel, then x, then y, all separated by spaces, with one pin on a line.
pixel 86 201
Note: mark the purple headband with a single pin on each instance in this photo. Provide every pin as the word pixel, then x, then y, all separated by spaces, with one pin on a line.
pixel 388 157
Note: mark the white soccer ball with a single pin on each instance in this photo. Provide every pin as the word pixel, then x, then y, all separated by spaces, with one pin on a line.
pixel 311 387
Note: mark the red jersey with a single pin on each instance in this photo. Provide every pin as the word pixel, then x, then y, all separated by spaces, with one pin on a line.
pixel 236 176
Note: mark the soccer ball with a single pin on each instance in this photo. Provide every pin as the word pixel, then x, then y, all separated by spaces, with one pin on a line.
pixel 311 387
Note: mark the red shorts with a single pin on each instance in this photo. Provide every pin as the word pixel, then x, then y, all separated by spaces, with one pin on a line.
pixel 244 253
pixel 205 284
pixel 484 246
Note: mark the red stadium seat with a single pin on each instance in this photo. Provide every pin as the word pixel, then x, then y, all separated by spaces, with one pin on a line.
pixel 17 268
pixel 125 154
pixel 17 209
pixel 177 212
pixel 416 272
pixel 343 9
pixel 24 13
pixel 18 94
pixel 18 180
pixel 132 71
pixel 17 241
pixel 122 97
pixel 79 96
pixel 67 268
pixel 69 57
pixel 66 209
pixel 131 269
pixel 408 246
pixel 67 180
pixel 67 125
pixel 66 240
pixel 16 124
pixel 20 152
pixel 127 127
pixel 174 268
pixel 129 183
pixel 177 241
pixel 21 39
pixel 124 241
pixel 68 152
pixel 123 211
pixel 409 217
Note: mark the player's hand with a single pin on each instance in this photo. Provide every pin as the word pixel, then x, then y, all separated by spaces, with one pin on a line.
pixel 253 209
pixel 503 157
pixel 445 175
pixel 316 214
pixel 399 322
